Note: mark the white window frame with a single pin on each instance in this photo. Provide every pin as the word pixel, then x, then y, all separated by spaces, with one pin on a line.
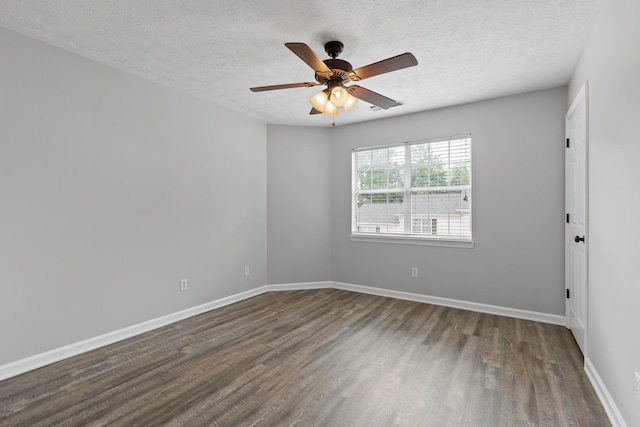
pixel 408 236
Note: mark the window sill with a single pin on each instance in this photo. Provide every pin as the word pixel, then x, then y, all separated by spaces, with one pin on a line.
pixel 410 240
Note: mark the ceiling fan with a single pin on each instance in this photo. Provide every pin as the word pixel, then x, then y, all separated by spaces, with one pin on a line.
pixel 335 72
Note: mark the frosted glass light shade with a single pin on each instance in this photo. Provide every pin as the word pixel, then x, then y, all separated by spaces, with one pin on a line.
pixel 319 100
pixel 351 101
pixel 339 96
pixel 330 109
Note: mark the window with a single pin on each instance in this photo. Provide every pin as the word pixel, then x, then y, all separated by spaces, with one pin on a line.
pixel 418 190
pixel 424 226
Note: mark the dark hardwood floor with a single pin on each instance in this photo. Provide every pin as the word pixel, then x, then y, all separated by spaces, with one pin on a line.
pixel 318 358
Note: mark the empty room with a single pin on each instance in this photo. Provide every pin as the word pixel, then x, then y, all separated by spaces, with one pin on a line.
pixel 339 213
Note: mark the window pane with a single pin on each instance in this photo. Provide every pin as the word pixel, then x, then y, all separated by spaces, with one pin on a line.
pixel 441 164
pixel 428 165
pixel 460 162
pixel 380 169
pixel 380 213
pixel 447 210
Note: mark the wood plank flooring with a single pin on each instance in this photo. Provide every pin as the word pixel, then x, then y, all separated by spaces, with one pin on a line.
pixel 318 358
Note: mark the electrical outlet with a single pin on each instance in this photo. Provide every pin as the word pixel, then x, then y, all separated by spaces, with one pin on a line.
pixel 183 284
pixel 636 386
pixel 414 272
pixel 247 270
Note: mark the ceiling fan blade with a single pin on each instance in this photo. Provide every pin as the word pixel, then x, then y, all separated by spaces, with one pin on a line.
pixel 287 86
pixel 386 65
pixel 371 97
pixel 305 53
pixel 314 111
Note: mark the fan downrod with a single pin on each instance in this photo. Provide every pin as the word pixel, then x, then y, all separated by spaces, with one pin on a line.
pixel 333 48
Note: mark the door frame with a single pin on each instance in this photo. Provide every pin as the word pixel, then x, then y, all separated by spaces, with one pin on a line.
pixel 582 95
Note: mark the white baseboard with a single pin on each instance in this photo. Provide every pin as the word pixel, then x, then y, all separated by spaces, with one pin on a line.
pixel 464 305
pixel 39 360
pixel 299 286
pixel 601 390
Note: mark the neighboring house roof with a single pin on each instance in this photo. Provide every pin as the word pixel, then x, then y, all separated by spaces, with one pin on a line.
pixel 433 204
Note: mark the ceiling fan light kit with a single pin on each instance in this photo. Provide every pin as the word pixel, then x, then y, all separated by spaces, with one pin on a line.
pixel 351 101
pixel 319 100
pixel 335 72
pixel 338 96
pixel 328 101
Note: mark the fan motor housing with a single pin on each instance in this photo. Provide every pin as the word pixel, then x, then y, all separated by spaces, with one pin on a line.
pixel 339 67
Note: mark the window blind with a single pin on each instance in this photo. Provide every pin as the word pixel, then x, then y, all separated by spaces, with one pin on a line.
pixel 420 189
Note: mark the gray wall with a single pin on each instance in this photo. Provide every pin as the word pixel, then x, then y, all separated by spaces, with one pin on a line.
pixel 299 204
pixel 112 189
pixel 518 206
pixel 611 64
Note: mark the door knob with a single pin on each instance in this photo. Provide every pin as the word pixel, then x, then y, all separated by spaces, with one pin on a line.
pixel 579 239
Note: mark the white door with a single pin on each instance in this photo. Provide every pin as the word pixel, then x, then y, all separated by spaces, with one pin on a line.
pixel 576 240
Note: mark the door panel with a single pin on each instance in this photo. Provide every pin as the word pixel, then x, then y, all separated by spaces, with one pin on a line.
pixel 576 242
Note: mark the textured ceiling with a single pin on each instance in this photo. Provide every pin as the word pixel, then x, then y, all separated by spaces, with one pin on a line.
pixel 467 50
